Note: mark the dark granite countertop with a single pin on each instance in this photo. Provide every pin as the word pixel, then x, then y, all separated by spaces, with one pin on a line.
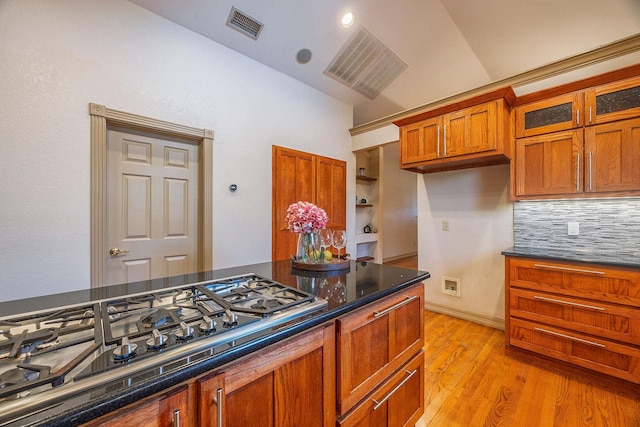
pixel 345 290
pixel 573 256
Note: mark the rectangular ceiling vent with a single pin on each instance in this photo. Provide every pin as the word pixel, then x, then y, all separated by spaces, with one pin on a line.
pixel 244 23
pixel 365 64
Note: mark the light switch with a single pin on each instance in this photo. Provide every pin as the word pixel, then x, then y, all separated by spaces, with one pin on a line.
pixel 573 229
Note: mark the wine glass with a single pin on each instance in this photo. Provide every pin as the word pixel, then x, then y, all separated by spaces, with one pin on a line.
pixel 339 240
pixel 326 240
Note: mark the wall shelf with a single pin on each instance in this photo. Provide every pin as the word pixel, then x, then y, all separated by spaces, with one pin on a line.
pixel 363 205
pixel 365 178
pixel 366 237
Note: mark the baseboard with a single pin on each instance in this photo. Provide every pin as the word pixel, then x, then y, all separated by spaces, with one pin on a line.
pixel 399 257
pixel 481 319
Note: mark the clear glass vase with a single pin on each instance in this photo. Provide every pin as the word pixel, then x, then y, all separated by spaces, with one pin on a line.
pixel 309 248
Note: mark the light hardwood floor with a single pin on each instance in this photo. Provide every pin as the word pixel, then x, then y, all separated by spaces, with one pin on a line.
pixel 473 380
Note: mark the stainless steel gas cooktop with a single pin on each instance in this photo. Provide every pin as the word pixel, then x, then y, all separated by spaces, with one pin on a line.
pixel 51 354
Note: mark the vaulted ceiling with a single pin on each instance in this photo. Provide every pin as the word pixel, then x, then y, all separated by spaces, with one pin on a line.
pixel 448 46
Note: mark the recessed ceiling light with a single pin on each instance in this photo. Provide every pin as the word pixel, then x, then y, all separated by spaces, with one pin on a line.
pixel 348 19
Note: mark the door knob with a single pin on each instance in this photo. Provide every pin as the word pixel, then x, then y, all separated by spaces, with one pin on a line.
pixel 117 251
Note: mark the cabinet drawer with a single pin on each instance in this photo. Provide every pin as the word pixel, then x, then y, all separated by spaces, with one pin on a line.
pixel 396 403
pixel 591 281
pixel 614 322
pixel 619 360
pixel 375 341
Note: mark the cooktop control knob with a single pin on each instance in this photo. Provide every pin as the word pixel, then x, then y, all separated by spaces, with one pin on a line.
pixel 157 340
pixel 125 350
pixel 207 324
pixel 229 318
pixel 185 332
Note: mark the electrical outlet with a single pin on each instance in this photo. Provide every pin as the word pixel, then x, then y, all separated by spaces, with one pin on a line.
pixel 445 225
pixel 573 229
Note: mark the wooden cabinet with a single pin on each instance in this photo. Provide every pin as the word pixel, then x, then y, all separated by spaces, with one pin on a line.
pixel 579 144
pixel 584 314
pixel 476 135
pixel 175 408
pixel 376 341
pixel 420 142
pixel 396 403
pixel 612 157
pixel 291 384
pixel 549 164
pixel 296 176
pixel 555 114
pixel 612 101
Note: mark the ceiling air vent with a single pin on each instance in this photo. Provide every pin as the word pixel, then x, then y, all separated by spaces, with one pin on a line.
pixel 244 23
pixel 365 64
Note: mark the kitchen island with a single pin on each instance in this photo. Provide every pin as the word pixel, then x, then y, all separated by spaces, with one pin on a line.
pixel 347 293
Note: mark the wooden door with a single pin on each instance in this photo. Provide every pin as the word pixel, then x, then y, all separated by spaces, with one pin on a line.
pixel 299 176
pixel 549 164
pixel 613 101
pixel 331 190
pixel 152 207
pixel 420 142
pixel 293 175
pixel 555 114
pixel 471 130
pixel 613 156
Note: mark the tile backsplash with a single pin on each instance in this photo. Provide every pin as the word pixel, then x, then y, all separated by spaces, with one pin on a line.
pixel 608 227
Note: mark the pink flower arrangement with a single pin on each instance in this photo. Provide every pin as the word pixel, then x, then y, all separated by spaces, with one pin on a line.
pixel 305 217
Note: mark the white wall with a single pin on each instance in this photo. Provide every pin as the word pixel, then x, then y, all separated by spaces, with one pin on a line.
pixel 476 204
pixel 58 56
pixel 400 212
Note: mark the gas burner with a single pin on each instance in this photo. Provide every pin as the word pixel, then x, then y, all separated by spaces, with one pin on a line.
pixel 23 373
pixel 159 318
pixel 266 304
pixel 27 342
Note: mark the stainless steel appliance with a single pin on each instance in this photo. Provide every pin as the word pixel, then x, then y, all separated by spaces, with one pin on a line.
pixel 51 354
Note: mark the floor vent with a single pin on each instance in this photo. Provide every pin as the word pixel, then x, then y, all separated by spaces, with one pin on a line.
pixel 365 64
pixel 244 23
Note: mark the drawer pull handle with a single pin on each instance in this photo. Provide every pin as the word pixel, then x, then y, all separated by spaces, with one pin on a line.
pixel 578 173
pixel 393 307
pixel 378 404
pixel 593 307
pixel 176 418
pixel 218 402
pixel 579 270
pixel 597 344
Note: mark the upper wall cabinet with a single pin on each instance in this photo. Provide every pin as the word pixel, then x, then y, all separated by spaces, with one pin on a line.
pixel 471 133
pixel 585 143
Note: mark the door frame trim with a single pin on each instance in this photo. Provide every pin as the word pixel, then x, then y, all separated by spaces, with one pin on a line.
pixel 102 118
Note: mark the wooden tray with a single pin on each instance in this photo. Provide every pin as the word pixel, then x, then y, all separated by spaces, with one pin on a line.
pixel 337 264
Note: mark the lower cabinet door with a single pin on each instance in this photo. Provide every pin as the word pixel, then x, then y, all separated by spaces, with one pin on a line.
pixel 290 384
pixel 397 402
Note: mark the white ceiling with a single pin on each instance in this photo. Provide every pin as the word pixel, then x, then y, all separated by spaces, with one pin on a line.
pixel 450 46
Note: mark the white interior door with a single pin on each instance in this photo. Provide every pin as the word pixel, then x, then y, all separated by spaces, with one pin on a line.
pixel 152 207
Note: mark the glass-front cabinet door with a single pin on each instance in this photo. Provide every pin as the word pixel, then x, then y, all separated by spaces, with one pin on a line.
pixel 613 101
pixel 562 112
